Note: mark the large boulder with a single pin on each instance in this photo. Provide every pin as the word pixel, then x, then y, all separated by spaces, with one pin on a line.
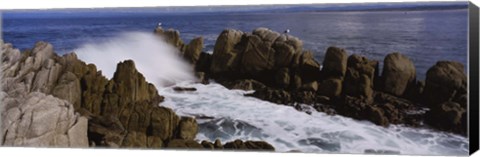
pixel 227 49
pixel 187 128
pixel 193 50
pixel 267 35
pixel 258 56
pixel 445 81
pixel 398 74
pixel 359 77
pixel 330 87
pixel 335 62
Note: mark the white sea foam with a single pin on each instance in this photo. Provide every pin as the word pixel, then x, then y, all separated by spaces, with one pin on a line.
pixel 238 117
pixel 158 61
pixel 228 115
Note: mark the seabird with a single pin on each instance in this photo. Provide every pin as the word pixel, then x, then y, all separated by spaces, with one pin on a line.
pixel 287 31
pixel 159 24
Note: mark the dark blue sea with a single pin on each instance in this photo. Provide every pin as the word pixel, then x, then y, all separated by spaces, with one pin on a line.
pixel 425 36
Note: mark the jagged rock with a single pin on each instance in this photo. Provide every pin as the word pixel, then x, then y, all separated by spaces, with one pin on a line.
pixel 309 67
pixel 330 87
pixel 449 116
pixel 307 97
pixel 172 37
pixel 227 48
pixel 254 145
pixel 358 108
pixel 193 50
pixel 184 89
pixel 267 35
pixel 282 78
pixel 203 63
pixel 121 112
pixel 106 131
pixel 445 81
pixel 398 74
pixel 207 145
pixel 92 82
pixel 310 86
pixel 296 43
pixel 335 62
pixel 296 81
pixel 188 128
pixel 284 54
pixel 42 121
pixel 273 95
pixel 179 143
pixel 258 56
pixel 359 77
pixel 247 85
pixel 30 115
pixel 217 144
pixel 68 88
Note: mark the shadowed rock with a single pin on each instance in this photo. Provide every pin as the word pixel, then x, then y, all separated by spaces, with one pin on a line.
pixel 398 74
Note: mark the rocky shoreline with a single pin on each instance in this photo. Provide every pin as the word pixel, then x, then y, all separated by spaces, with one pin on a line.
pixel 49 100
pixel 277 67
pixel 60 101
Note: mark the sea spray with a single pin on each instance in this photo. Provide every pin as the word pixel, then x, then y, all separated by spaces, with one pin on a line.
pixel 228 115
pixel 157 60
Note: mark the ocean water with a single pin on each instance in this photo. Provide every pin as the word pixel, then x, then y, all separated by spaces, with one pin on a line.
pixel 105 40
pixel 228 115
pixel 425 36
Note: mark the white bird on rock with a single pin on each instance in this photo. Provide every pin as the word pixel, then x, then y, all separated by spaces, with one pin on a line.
pixel 287 31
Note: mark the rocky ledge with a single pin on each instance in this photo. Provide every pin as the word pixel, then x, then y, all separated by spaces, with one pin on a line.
pixel 59 101
pixel 277 67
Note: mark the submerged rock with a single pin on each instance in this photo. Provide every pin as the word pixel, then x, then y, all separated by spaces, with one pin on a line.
pixel 184 89
pixel 253 145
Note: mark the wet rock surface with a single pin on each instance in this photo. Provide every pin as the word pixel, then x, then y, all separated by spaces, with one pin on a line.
pixel 277 68
pixel 60 101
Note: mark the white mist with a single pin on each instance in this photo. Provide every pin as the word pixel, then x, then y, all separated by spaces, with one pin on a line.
pixel 158 61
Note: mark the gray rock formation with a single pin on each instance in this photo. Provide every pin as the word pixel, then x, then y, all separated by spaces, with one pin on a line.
pixel 31 115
